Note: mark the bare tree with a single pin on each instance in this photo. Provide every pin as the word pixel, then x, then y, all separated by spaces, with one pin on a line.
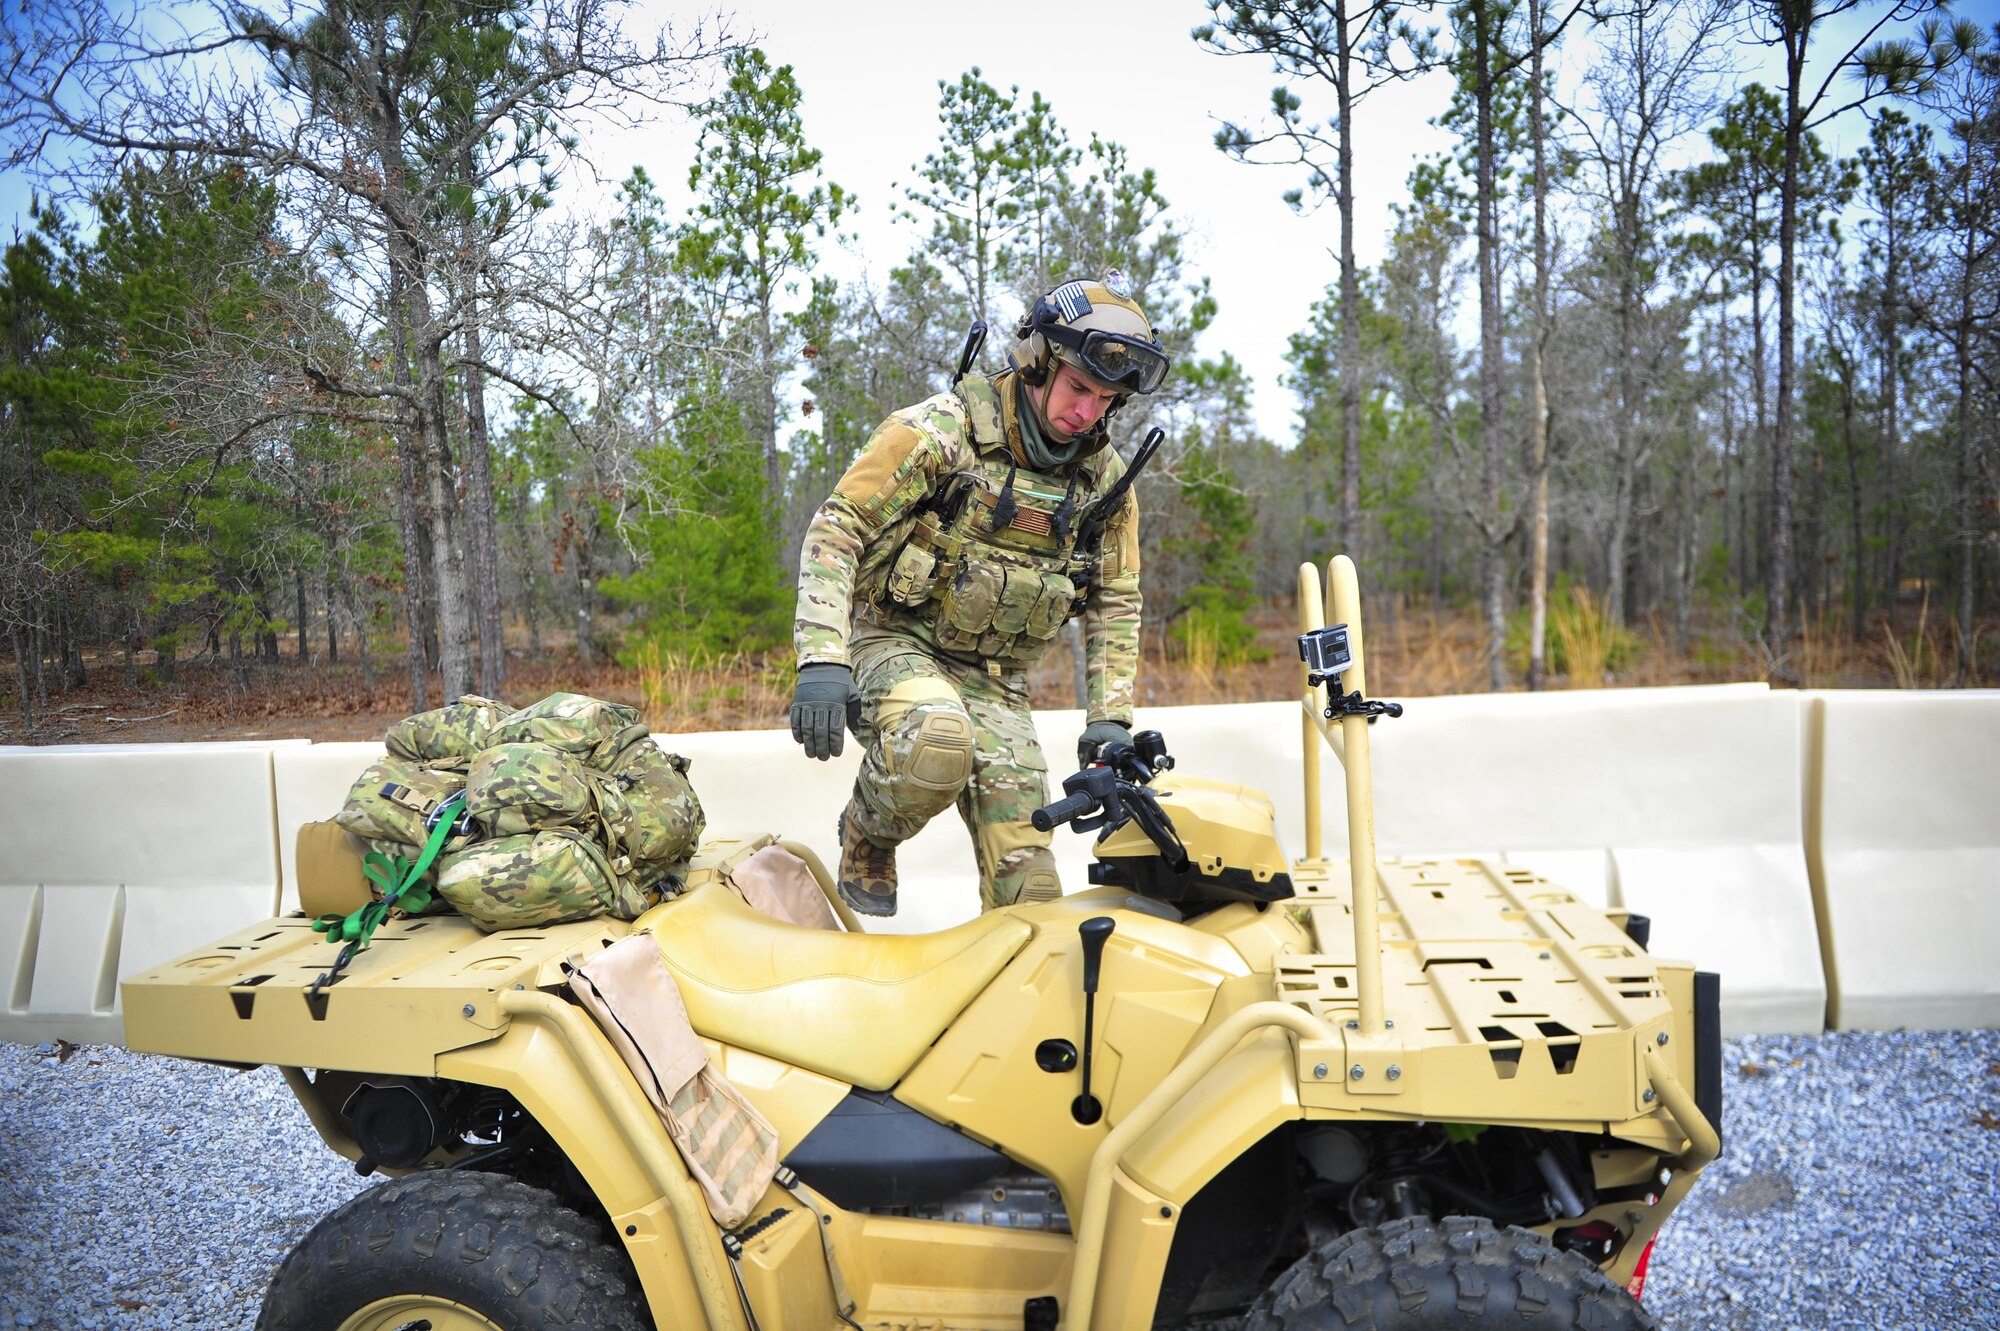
pixel 1883 68
pixel 385 119
pixel 1354 46
pixel 1654 84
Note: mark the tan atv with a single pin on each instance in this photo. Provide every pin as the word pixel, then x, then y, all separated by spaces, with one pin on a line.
pixel 1215 1087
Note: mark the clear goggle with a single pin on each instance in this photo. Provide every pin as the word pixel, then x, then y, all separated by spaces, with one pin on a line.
pixel 1113 359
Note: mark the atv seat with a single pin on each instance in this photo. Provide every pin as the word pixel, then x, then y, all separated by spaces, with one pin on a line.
pixel 859 1007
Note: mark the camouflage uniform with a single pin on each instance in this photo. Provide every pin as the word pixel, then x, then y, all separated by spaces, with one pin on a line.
pixel 940 570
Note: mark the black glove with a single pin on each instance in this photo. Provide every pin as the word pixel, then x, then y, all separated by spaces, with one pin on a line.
pixel 824 698
pixel 1097 734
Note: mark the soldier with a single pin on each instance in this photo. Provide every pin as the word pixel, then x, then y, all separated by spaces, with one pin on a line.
pixel 941 569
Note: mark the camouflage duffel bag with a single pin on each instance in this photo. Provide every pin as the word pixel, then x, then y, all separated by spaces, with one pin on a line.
pixel 650 813
pixel 573 723
pixel 536 878
pixel 570 809
pixel 448 736
pixel 515 788
pixel 394 802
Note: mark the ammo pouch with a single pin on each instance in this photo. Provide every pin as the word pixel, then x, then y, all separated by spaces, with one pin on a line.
pixel 731 1150
pixel 992 561
pixel 989 605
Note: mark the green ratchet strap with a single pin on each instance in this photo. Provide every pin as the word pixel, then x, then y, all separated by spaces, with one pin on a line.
pixel 400 883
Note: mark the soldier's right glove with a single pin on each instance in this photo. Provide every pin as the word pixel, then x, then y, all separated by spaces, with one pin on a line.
pixel 1098 734
pixel 824 703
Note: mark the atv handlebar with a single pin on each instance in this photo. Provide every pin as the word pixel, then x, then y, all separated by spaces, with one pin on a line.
pixel 1064 809
pixel 1114 791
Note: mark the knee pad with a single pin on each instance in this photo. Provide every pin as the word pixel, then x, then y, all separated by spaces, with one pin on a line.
pixel 1040 885
pixel 933 746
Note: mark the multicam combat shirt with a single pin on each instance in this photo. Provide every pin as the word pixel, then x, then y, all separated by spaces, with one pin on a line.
pixel 994 576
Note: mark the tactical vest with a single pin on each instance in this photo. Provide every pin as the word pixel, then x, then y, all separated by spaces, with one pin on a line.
pixel 991 565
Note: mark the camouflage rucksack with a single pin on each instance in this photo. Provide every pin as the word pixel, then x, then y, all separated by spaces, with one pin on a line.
pixel 570 810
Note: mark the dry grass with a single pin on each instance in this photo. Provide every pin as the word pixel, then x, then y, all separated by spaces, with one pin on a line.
pixel 679 692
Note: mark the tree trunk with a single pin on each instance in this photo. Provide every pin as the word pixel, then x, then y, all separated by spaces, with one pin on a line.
pixel 1538 411
pixel 1350 298
pixel 1686 553
pixel 480 526
pixel 454 618
pixel 1624 424
pixel 586 586
pixel 1777 586
pixel 531 594
pixel 1859 599
pixel 1753 564
pixel 299 599
pixel 416 546
pixel 1493 525
pixel 332 620
pixel 1968 522
pixel 21 674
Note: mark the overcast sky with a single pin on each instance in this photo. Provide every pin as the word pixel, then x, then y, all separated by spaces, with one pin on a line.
pixel 869 70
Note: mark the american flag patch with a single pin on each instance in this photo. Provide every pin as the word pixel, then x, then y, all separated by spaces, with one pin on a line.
pixel 1030 520
pixel 1069 298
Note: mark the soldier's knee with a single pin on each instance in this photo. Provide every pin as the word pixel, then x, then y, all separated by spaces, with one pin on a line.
pixel 927 737
pixel 939 752
pixel 1040 885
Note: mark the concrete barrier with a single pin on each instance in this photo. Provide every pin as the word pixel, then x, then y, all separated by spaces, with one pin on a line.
pixel 118 859
pixel 1835 856
pixel 1903 817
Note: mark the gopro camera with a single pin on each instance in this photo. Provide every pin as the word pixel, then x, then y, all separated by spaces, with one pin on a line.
pixel 1325 651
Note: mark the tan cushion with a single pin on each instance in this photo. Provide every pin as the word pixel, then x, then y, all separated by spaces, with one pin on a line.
pixel 331 880
pixel 779 884
pixel 859 1007
pixel 730 1148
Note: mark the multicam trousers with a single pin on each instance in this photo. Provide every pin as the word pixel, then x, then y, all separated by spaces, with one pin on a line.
pixel 941 732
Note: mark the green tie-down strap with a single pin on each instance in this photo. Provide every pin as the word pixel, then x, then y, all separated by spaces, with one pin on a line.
pixel 400 883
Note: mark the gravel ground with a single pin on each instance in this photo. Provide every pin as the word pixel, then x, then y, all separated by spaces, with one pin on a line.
pixel 1859 1187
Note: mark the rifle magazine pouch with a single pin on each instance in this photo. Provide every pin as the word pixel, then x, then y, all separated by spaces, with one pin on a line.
pixel 730 1149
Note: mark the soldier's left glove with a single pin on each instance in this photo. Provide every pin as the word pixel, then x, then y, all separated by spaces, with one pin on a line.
pixel 824 699
pixel 1096 735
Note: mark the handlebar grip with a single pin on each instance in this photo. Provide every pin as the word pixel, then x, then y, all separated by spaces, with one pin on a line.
pixel 1064 809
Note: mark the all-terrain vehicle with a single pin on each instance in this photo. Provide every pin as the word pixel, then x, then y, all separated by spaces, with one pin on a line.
pixel 1216 1086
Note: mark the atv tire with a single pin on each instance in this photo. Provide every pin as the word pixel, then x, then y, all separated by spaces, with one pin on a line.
pixel 1459 1274
pixel 453 1252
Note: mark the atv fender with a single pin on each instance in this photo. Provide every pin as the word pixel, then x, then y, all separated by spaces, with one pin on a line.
pixel 1238 1083
pixel 563 1071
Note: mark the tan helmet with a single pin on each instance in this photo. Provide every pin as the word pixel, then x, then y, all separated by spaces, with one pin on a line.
pixel 1098 329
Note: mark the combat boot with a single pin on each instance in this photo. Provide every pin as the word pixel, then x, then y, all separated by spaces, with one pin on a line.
pixel 867 871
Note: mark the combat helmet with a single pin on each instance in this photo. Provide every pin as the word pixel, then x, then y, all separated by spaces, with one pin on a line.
pixel 1095 327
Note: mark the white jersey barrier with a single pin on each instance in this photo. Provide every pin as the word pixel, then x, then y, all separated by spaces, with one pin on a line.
pixel 1903 828
pixel 1836 856
pixel 115 858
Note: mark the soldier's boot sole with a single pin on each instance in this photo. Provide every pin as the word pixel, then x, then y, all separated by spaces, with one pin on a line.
pixel 867 881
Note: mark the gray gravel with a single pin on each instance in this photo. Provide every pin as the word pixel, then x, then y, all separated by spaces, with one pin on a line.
pixel 1860 1188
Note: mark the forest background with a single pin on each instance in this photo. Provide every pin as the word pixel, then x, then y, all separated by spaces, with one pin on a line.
pixel 324 398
